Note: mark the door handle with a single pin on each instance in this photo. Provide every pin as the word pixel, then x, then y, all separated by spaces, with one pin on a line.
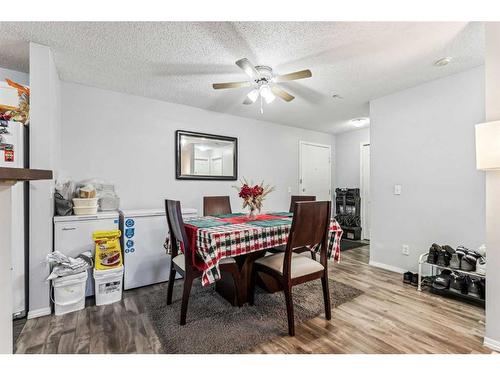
pixel 67 228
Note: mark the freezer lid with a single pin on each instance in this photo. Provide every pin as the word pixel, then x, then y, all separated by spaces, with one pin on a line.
pixel 154 212
pixel 97 216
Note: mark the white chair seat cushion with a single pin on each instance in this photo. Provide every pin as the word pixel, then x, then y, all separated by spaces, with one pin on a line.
pixel 301 265
pixel 181 262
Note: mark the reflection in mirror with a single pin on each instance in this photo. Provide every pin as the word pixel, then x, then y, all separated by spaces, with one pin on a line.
pixel 204 156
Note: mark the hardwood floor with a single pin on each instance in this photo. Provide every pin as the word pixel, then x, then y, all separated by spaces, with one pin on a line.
pixel 390 317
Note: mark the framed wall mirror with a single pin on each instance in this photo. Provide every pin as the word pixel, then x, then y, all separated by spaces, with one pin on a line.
pixel 201 156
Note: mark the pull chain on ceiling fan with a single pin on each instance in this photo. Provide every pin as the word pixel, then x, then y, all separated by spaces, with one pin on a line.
pixel 264 83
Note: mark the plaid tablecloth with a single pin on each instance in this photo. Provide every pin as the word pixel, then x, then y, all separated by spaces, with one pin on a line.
pixel 215 237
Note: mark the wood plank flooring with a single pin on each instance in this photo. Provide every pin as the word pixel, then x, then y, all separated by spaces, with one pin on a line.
pixel 390 317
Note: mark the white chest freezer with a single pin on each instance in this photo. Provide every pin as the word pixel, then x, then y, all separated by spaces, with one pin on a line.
pixel 143 236
pixel 73 235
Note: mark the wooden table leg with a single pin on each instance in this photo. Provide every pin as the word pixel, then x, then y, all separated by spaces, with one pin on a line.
pixel 225 286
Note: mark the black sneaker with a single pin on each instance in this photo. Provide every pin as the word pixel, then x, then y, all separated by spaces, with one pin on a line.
pixel 443 259
pixel 458 284
pixel 414 279
pixel 473 287
pixel 482 284
pixel 433 254
pixel 407 277
pixel 442 281
pixel 449 249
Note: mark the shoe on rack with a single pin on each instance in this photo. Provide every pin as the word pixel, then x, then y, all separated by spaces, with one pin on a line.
pixel 481 266
pixel 461 251
pixel 482 284
pixel 443 258
pixel 455 261
pixel 473 287
pixel 407 277
pixel 458 283
pixel 414 279
pixel 468 263
pixel 433 253
pixel 449 249
pixel 442 281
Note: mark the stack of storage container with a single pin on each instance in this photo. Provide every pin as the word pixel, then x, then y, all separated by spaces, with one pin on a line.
pixel 108 271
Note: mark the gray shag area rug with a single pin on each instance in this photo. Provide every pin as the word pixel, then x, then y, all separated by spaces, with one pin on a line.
pixel 214 326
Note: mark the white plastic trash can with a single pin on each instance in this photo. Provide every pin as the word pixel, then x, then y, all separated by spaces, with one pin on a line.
pixel 69 293
pixel 108 285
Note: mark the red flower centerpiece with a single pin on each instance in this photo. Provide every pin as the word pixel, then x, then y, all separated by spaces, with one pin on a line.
pixel 253 196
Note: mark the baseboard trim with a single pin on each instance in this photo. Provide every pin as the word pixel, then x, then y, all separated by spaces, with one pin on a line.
pixel 492 344
pixel 39 312
pixel 387 267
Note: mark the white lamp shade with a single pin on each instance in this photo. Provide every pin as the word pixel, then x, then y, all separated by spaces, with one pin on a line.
pixel 488 145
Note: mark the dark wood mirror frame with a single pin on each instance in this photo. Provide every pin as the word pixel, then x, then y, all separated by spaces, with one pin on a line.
pixel 180 176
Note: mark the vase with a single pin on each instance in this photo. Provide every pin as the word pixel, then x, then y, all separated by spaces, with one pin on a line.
pixel 252 214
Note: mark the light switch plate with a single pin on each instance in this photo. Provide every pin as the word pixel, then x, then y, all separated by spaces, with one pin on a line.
pixel 397 189
pixel 405 250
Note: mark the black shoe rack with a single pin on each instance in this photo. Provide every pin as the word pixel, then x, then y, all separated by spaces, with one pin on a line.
pixel 348 212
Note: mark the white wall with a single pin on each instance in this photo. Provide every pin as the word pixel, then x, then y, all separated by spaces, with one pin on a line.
pixel 347 154
pixel 492 77
pixel 14 75
pixel 129 140
pixel 45 153
pixel 423 139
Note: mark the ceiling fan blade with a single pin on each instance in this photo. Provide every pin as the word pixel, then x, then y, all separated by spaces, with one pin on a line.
pixel 293 76
pixel 248 68
pixel 231 85
pixel 278 91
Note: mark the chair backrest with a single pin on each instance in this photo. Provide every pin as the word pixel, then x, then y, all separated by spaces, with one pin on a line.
pixel 219 205
pixel 177 230
pixel 310 228
pixel 300 198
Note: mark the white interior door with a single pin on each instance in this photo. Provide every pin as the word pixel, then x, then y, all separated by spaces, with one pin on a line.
pixel 365 191
pixel 315 170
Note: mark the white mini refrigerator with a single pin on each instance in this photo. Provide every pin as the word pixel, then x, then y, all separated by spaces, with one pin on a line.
pixel 143 236
pixel 73 235
pixel 11 156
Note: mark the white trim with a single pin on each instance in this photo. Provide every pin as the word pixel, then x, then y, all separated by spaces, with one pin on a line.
pixel 387 267
pixel 32 314
pixel 329 147
pixel 361 188
pixel 492 344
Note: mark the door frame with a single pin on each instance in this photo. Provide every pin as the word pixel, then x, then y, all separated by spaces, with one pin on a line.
pixel 329 147
pixel 362 188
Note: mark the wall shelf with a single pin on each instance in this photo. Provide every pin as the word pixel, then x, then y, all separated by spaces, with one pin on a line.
pixel 24 174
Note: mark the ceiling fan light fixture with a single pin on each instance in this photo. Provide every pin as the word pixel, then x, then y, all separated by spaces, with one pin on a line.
pixel 266 93
pixel 253 95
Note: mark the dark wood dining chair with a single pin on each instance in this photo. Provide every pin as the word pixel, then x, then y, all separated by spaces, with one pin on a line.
pixel 310 227
pixel 182 262
pixel 300 198
pixel 294 199
pixel 219 205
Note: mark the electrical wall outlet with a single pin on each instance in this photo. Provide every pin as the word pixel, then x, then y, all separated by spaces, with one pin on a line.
pixel 397 189
pixel 405 250
pixel 289 190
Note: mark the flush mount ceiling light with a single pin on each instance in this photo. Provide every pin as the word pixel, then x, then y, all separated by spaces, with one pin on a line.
pixel 359 122
pixel 264 83
pixel 443 62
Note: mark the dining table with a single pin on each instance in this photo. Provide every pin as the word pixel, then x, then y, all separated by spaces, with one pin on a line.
pixel 245 239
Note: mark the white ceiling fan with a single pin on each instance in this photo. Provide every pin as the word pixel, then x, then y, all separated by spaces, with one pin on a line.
pixel 264 82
